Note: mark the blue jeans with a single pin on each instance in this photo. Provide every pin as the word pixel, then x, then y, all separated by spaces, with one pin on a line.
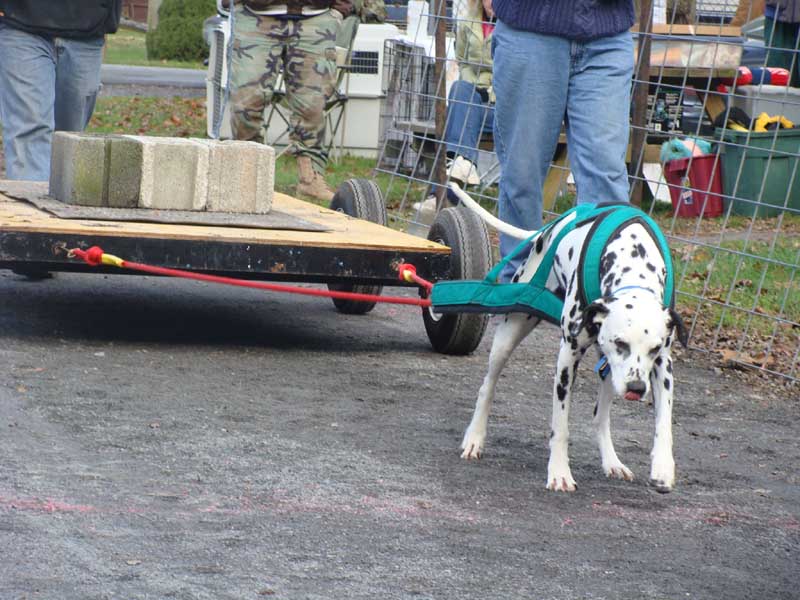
pixel 540 81
pixel 46 85
pixel 468 116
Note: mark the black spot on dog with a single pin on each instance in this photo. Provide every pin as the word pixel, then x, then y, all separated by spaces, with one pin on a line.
pixel 640 249
pixel 634 253
pixel 659 361
pixel 633 236
pixel 564 376
pixel 607 262
pixel 569 253
pixel 609 279
pixel 573 344
pixel 571 283
pixel 669 366
pixel 557 260
pixel 629 306
pixel 626 269
pixel 573 310
pixel 515 279
pixel 562 321
pixel 651 267
pixel 560 292
pixel 539 244
pixel 667 383
pixel 641 276
pixel 594 413
pixel 561 392
pixel 617 236
pixel 552 434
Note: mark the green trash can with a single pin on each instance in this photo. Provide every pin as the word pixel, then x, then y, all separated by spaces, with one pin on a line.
pixel 764 160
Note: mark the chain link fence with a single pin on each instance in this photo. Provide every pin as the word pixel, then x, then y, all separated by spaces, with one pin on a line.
pixel 713 157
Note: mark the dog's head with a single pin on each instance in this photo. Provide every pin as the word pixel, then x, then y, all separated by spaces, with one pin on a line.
pixel 632 330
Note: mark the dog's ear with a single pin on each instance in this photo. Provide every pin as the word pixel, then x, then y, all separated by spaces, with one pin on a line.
pixel 591 318
pixel 675 323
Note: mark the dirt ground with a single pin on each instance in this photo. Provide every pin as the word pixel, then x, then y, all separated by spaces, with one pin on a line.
pixel 167 439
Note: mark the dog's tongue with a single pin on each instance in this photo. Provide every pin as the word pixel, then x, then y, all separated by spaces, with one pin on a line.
pixel 632 396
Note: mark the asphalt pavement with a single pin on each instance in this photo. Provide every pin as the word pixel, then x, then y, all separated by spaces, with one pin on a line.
pixel 172 439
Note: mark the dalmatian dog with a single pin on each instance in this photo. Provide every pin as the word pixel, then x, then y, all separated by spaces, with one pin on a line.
pixel 629 325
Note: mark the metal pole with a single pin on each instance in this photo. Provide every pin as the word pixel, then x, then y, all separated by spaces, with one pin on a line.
pixel 641 88
pixel 440 115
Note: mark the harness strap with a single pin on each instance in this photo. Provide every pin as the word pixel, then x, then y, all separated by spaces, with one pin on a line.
pixel 533 297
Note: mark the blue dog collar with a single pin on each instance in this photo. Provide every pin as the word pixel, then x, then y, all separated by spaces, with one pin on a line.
pixel 632 287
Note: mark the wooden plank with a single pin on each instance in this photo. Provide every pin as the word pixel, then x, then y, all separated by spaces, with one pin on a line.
pixel 344 231
pixel 693 30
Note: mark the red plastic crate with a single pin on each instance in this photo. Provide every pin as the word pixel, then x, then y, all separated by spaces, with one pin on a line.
pixel 691 187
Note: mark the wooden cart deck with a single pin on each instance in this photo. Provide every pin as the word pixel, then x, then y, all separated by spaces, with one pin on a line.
pixel 351 250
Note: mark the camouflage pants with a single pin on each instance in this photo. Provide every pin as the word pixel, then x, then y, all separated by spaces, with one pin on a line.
pixel 304 50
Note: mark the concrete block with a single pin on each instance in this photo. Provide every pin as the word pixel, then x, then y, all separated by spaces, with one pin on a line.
pixel 159 173
pixel 128 171
pixel 78 168
pixel 241 177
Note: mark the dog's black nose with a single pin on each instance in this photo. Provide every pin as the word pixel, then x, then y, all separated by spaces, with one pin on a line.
pixel 637 387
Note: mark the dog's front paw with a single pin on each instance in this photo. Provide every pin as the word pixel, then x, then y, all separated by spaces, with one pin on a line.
pixel 560 480
pixel 618 471
pixel 472 445
pixel 662 476
pixel 562 484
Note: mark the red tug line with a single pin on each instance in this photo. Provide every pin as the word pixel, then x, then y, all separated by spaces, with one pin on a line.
pixel 406 272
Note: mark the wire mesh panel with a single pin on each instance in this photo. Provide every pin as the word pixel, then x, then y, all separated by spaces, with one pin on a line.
pixel 713 157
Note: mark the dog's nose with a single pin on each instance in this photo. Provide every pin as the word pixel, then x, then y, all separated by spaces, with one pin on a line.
pixel 637 387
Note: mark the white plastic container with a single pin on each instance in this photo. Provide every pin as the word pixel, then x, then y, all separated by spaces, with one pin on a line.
pixel 772 99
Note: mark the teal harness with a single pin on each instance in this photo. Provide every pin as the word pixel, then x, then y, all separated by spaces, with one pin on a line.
pixel 533 297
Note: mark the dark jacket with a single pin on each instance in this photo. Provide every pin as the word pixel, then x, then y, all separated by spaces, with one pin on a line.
pixel 79 19
pixel 580 20
pixel 786 11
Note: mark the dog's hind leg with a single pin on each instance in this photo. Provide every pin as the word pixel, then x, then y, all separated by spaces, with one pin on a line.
pixel 662 468
pixel 612 466
pixel 509 334
pixel 559 475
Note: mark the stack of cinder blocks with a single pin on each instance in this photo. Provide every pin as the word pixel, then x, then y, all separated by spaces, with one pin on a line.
pixel 128 171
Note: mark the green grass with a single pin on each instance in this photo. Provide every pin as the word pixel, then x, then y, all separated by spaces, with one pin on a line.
pixel 763 278
pixel 178 117
pixel 127 47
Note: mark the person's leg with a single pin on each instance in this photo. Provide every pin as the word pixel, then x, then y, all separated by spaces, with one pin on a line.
pixel 466 114
pixel 27 87
pixel 598 110
pixel 530 81
pixel 310 77
pixel 77 81
pixel 257 57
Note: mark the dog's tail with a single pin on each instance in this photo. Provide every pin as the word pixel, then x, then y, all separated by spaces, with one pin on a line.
pixel 484 214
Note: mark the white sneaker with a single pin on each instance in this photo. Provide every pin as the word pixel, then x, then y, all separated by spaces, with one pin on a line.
pixel 463 170
pixel 429 204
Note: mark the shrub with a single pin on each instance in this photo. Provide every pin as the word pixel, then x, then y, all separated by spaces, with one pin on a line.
pixel 179 35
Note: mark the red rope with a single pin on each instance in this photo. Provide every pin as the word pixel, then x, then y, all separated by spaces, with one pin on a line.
pixel 94 256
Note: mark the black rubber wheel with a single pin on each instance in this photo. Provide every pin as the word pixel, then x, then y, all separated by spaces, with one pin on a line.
pixel 360 198
pixel 470 258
